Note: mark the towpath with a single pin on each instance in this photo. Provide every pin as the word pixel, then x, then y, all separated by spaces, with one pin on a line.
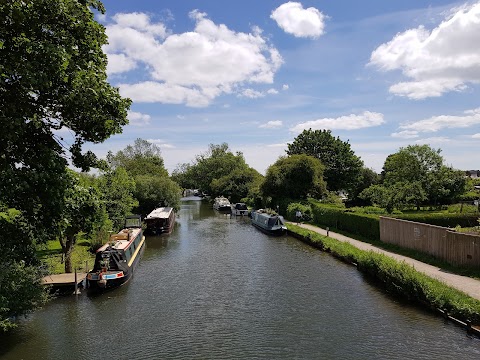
pixel 465 284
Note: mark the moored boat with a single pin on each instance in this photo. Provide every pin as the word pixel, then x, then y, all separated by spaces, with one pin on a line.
pixel 116 261
pixel 271 224
pixel 222 204
pixel 160 221
pixel 239 209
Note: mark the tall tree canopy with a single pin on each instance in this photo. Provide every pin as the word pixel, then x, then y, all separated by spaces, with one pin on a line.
pixel 218 161
pixel 144 164
pixel 342 166
pixel 414 175
pixel 52 77
pixel 141 158
pixel 294 177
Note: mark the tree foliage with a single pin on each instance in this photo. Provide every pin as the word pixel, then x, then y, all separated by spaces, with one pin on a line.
pixel 416 175
pixel 151 191
pixel 217 162
pixel 342 166
pixel 141 158
pixel 52 77
pixel 238 184
pixel 117 191
pixel 144 164
pixel 21 290
pixel 294 177
pixel 82 212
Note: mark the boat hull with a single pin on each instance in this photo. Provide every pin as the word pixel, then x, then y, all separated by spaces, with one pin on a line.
pixel 94 286
pixel 269 224
pixel 274 232
pixel 161 223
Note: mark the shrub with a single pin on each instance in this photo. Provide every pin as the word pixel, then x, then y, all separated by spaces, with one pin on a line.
pixel 450 220
pixel 306 211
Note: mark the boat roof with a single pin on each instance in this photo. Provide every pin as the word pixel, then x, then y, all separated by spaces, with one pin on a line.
pixel 122 239
pixel 160 213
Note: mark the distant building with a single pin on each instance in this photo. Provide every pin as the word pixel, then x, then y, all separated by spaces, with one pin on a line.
pixel 474 174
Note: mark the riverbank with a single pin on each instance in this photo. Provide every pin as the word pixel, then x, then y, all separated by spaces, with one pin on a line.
pixel 455 297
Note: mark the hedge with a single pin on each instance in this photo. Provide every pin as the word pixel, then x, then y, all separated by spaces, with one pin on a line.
pixel 450 220
pixel 344 219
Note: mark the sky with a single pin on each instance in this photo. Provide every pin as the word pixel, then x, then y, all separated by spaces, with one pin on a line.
pixel 255 74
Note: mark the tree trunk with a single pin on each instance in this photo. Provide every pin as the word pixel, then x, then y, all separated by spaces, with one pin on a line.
pixel 67 247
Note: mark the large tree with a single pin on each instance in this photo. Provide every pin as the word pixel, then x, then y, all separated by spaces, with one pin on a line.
pixel 294 177
pixel 141 158
pixel 424 165
pixel 52 78
pixel 342 166
pixel 416 175
pixel 218 161
pixel 237 184
pixel 143 163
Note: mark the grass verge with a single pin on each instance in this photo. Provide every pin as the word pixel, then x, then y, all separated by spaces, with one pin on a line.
pixel 398 278
pixel 51 256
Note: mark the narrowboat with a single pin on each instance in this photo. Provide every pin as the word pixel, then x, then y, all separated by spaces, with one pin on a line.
pixel 222 204
pixel 239 209
pixel 160 221
pixel 271 224
pixel 116 261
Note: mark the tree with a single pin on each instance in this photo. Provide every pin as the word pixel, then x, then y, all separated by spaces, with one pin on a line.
pixel 151 191
pixel 83 212
pixel 237 184
pixel 367 178
pixel 144 164
pixel 117 191
pixel 141 158
pixel 218 161
pixel 294 177
pixel 52 77
pixel 342 166
pixel 21 289
pixel 423 165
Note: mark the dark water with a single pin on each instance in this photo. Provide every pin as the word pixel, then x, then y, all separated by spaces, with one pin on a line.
pixel 217 288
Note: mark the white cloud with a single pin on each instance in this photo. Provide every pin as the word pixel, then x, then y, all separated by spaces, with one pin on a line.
pixel 161 143
pixel 436 61
pixel 138 119
pixel 436 123
pixel 272 125
pixel 348 122
pixel 119 63
pixel 252 94
pixel 285 87
pixel 433 140
pixel 191 68
pixel 476 136
pixel 407 134
pixel 299 22
pixel 272 91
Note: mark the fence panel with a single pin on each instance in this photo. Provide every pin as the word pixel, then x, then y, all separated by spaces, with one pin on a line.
pixel 455 248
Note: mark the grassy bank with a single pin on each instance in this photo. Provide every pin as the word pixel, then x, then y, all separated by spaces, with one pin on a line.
pixel 398 278
pixel 51 256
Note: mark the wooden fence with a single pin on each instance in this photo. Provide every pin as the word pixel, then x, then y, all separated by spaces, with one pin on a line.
pixel 456 248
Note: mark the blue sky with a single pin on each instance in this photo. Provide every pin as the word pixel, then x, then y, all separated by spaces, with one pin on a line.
pixel 380 74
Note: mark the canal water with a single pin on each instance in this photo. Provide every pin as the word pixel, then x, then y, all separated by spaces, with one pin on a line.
pixel 217 288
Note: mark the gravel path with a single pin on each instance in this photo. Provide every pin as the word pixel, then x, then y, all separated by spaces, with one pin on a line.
pixel 465 284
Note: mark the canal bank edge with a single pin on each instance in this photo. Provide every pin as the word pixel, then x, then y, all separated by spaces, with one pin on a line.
pixel 399 278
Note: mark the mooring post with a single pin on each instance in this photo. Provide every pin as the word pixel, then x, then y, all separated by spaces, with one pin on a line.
pixel 76 283
pixel 469 326
pixel 328 229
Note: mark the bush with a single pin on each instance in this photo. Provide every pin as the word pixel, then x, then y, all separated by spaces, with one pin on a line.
pixel 306 211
